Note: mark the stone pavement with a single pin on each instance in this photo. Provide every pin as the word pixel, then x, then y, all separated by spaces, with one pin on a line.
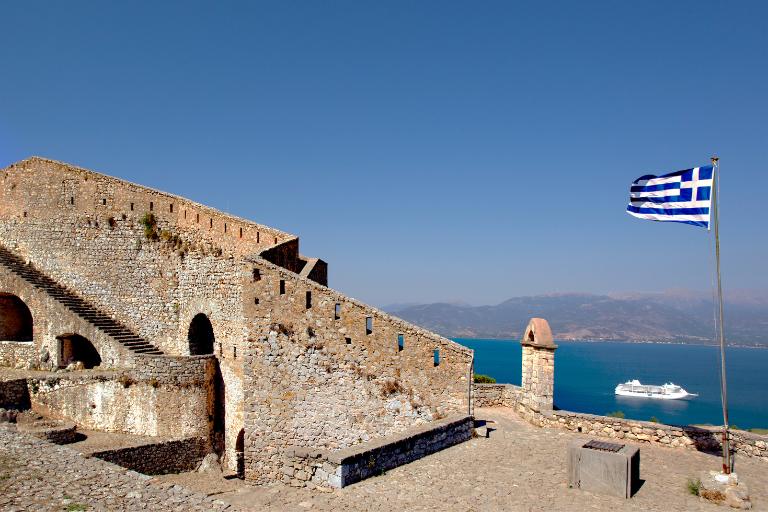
pixel 518 468
pixel 40 476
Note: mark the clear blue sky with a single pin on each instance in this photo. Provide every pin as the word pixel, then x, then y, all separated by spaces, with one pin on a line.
pixel 427 150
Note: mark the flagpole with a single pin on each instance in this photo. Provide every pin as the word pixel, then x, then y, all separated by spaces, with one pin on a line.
pixel 723 386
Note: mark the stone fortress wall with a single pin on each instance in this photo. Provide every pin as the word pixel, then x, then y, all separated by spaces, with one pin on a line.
pixel 534 401
pixel 295 363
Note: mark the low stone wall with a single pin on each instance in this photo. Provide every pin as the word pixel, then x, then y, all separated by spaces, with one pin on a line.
pixel 171 456
pixel 697 438
pixel 14 394
pixel 58 432
pixel 496 395
pixel 320 468
pixel 128 402
pixel 17 354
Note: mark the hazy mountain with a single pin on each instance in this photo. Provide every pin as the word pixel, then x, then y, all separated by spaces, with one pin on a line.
pixel 674 316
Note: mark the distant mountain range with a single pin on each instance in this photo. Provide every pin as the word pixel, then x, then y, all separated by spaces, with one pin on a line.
pixel 675 316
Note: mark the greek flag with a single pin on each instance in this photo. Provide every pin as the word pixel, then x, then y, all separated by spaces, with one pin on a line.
pixel 681 196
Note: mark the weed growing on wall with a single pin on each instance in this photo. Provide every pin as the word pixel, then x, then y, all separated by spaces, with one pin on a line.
pixel 150 226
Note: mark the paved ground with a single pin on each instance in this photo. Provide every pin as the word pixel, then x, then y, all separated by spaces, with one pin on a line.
pixel 518 468
pixel 39 476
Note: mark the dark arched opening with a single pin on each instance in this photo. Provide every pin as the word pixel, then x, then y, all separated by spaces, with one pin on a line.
pixel 15 319
pixel 200 336
pixel 73 347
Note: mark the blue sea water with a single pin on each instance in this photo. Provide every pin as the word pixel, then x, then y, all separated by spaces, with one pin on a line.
pixel 586 374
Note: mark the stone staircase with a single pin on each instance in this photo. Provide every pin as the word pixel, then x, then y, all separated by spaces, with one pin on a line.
pixel 78 305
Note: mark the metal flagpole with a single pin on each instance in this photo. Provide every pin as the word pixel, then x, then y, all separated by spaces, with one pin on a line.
pixel 723 387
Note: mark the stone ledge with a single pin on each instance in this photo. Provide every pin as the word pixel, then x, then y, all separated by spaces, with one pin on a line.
pixel 318 467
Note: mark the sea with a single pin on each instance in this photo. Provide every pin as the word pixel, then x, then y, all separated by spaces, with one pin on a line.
pixel 586 374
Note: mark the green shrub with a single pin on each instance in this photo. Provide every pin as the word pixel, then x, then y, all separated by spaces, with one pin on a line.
pixel 150 226
pixel 484 379
pixel 694 486
pixel 654 419
pixel 616 414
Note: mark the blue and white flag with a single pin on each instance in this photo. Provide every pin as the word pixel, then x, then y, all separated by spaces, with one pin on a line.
pixel 681 196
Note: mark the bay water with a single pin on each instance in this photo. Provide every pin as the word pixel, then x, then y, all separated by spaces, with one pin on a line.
pixel 586 374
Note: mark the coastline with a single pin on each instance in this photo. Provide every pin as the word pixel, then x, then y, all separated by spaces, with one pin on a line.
pixel 649 342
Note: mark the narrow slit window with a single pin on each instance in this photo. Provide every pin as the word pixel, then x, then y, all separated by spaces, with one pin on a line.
pixel 256 301
pixel 151 206
pixel 400 342
pixel 275 239
pixel 104 202
pixel 197 218
pixel 369 325
pixel 185 214
pixel 437 357
pixel 256 275
pixel 225 227
pixel 25 214
pixel 170 207
pixel 234 352
pixel 241 232
pixel 337 311
pixel 131 206
pixel 211 223
pixel 282 287
pixel 258 236
pixel 72 200
pixel 309 299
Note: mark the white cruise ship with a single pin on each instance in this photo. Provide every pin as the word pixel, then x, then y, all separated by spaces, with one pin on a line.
pixel 665 392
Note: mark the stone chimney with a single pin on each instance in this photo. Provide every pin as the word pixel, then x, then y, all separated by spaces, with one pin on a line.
pixel 538 376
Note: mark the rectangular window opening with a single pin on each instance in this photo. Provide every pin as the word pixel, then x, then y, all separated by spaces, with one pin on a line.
pixel 256 275
pixel 437 357
pixel 337 311
pixel 400 342
pixel 197 218
pixel 275 239
pixel 104 202
pixel 71 200
pixel 225 227
pixel 241 232
pixel 171 207
pixel 25 214
pixel 258 235
pixel 185 214
pixel 282 287
pixel 131 206
pixel 369 325
pixel 348 340
pixel 309 299
pixel 211 223
pixel 151 206
pixel 256 301
pixel 234 352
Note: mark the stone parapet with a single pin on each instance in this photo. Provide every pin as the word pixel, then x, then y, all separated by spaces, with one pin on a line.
pixel 159 457
pixel 496 395
pixel 320 468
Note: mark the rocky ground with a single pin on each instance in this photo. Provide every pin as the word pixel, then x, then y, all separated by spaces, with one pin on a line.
pixel 518 467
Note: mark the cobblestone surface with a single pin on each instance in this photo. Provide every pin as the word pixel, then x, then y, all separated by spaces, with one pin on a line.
pixel 39 476
pixel 519 467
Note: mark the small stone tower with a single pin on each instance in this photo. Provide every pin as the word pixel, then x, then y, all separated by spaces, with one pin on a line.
pixel 538 375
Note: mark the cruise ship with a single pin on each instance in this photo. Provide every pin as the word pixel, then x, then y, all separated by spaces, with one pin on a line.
pixel 665 392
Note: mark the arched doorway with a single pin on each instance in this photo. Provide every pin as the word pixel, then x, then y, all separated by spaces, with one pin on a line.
pixel 15 319
pixel 200 336
pixel 73 347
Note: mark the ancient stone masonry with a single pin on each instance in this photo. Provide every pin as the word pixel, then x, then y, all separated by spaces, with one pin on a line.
pixel 534 401
pixel 251 349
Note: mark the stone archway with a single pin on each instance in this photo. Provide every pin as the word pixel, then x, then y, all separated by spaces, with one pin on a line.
pixel 73 347
pixel 200 336
pixel 15 319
